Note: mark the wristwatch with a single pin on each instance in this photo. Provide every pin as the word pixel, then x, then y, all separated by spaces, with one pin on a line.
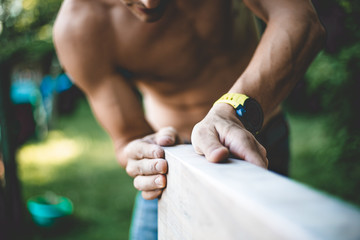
pixel 247 109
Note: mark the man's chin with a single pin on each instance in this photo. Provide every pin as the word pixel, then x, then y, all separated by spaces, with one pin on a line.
pixel 150 15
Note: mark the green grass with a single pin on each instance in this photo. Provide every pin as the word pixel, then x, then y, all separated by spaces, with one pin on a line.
pixel 314 158
pixel 77 160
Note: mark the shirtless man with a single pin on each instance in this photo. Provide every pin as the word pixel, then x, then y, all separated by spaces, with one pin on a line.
pixel 183 55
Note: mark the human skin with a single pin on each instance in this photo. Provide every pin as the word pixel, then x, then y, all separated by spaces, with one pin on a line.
pixel 182 56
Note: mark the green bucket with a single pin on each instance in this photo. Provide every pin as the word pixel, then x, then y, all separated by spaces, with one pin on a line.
pixel 48 211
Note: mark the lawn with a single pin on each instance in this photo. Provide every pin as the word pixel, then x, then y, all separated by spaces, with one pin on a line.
pixel 314 158
pixel 77 160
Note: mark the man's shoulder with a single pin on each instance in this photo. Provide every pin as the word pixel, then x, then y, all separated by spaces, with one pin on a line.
pixel 79 19
pixel 82 36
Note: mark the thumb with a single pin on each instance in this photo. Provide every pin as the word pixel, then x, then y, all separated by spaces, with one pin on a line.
pixel 207 143
pixel 166 136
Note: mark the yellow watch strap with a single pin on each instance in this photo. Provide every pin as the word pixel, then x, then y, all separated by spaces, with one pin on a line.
pixel 234 99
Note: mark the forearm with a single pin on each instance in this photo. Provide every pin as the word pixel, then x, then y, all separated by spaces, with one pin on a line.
pixel 289 44
pixel 119 111
pixel 121 137
pixel 121 130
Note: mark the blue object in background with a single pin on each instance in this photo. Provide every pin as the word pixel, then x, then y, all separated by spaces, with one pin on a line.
pixel 47 89
pixel 47 86
pixel 46 213
pixel 24 92
pixel 63 83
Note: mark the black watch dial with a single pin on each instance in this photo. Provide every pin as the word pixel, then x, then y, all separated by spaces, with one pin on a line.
pixel 253 116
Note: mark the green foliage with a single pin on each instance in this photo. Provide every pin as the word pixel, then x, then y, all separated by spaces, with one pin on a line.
pixel 315 158
pixel 333 76
pixel 335 79
pixel 352 11
pixel 332 97
pixel 26 25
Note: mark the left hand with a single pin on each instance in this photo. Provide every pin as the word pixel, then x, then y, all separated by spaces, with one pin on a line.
pixel 146 163
pixel 221 133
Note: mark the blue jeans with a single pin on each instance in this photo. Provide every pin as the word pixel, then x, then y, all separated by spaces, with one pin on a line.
pixel 274 137
pixel 144 219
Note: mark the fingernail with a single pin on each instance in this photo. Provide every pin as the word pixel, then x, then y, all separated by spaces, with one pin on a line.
pixel 158 167
pixel 163 140
pixel 158 181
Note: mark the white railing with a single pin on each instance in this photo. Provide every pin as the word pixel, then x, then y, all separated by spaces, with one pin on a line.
pixel 237 200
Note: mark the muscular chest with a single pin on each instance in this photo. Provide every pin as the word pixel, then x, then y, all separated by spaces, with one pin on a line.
pixel 182 43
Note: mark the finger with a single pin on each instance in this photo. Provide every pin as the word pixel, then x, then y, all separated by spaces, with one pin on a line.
pixel 139 149
pixel 166 136
pixel 146 167
pixel 256 159
pixel 150 195
pixel 262 150
pixel 243 145
pixel 207 142
pixel 150 183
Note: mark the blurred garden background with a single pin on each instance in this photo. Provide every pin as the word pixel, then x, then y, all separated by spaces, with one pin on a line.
pixel 47 126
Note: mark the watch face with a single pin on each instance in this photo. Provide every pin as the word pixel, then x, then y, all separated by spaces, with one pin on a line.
pixel 253 116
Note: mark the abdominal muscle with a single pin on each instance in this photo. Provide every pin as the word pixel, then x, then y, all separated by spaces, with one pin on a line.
pixel 182 117
pixel 185 102
pixel 188 102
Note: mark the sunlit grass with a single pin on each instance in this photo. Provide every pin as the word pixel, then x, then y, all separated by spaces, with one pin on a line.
pixel 77 160
pixel 57 149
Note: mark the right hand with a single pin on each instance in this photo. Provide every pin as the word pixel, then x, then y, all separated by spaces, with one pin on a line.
pixel 146 163
pixel 221 134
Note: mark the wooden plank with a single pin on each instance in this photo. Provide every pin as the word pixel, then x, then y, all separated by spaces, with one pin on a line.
pixel 237 200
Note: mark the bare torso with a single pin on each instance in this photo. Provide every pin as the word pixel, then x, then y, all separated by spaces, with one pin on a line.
pixel 181 63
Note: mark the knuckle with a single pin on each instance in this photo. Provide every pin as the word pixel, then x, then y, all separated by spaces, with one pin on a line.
pixel 169 130
pixel 201 130
pixel 129 148
pixel 149 138
pixel 172 129
pixel 249 139
pixel 140 169
pixel 196 128
pixel 139 155
pixel 198 134
pixel 152 166
pixel 135 149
